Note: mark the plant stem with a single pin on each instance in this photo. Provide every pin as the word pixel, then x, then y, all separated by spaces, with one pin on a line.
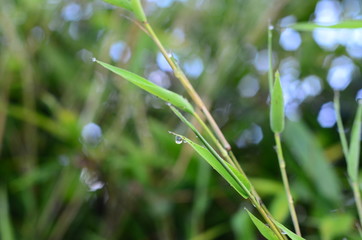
pixel 270 72
pixel 357 197
pixel 340 127
pixel 255 199
pixel 189 88
pixel 286 184
pixel 342 136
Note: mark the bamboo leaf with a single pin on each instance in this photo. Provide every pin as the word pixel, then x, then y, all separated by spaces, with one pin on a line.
pixel 277 106
pixel 288 232
pixel 310 26
pixel 354 150
pixel 214 163
pixel 126 4
pixel 240 178
pixel 164 94
pixel 263 229
pixel 138 10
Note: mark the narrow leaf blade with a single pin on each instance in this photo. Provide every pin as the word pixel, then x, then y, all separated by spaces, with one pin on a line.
pixel 164 94
pixel 214 163
pixel 354 151
pixel 290 234
pixel 310 26
pixel 263 229
pixel 121 3
pixel 277 106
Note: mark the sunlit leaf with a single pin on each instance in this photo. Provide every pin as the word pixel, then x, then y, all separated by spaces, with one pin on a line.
pixel 277 106
pixel 354 150
pixel 263 229
pixel 205 154
pixel 310 26
pixel 290 234
pixel 164 94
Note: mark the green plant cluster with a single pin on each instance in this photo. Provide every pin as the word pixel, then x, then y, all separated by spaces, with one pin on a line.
pixel 84 154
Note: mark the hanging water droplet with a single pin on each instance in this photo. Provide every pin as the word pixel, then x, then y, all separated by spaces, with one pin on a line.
pixel 271 27
pixel 94 59
pixel 178 140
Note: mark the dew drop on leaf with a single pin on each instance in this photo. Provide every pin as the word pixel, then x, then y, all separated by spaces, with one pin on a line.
pixel 178 140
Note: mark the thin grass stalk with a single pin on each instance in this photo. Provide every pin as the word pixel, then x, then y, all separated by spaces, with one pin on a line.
pixel 270 72
pixel 345 148
pixel 189 88
pixel 357 197
pixel 283 171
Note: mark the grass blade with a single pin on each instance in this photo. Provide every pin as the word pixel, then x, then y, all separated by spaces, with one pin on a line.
pixel 309 154
pixel 310 26
pixel 5 223
pixel 290 234
pixel 214 163
pixel 164 94
pixel 277 106
pixel 263 229
pixel 354 151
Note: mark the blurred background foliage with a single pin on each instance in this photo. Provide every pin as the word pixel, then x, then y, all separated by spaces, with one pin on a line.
pixel 134 182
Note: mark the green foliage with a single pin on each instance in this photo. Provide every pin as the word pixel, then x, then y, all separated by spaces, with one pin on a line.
pixel 312 159
pixel 290 234
pixel 277 106
pixel 154 188
pixel 152 88
pixel 354 149
pixel 309 26
pixel 264 230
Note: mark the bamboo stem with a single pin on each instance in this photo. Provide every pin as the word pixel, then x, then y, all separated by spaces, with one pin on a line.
pixel 286 184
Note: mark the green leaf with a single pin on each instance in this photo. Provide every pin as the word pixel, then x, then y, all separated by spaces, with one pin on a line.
pixel 277 106
pixel 6 228
pixel 126 4
pixel 263 229
pixel 310 156
pixel 290 234
pixel 310 26
pixel 336 225
pixel 164 94
pixel 239 177
pixel 214 163
pixel 138 10
pixel 354 150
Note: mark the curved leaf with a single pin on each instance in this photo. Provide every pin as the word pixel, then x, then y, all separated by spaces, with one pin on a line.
pixel 288 232
pixel 214 163
pixel 263 229
pixel 164 94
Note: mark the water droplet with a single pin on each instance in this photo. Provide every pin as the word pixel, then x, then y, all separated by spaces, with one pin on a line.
pixel 271 27
pixel 168 104
pixel 178 140
pixel 94 59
